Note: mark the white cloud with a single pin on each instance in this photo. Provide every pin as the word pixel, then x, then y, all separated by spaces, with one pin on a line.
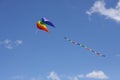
pixel 18 42
pixel 99 7
pixel 53 76
pixel 81 76
pixel 74 78
pixel 97 75
pixel 10 44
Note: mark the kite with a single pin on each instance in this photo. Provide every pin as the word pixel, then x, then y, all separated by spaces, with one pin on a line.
pixel 89 49
pixel 41 24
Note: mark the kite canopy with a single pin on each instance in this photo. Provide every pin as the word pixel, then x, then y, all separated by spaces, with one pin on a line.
pixel 89 49
pixel 41 24
pixel 46 21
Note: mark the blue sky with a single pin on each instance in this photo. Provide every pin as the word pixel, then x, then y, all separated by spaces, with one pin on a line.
pixel 27 55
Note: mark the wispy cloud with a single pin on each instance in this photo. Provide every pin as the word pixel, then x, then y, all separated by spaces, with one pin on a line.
pixel 10 44
pixel 21 77
pixel 18 77
pixel 53 76
pixel 73 78
pixel 100 8
pixel 118 55
pixel 81 76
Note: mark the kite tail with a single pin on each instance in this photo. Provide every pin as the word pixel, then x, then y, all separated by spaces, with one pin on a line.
pixel 87 48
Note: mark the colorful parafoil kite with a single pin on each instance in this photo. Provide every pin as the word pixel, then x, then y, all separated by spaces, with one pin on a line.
pixel 89 49
pixel 41 24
